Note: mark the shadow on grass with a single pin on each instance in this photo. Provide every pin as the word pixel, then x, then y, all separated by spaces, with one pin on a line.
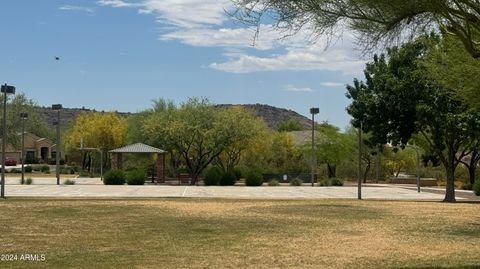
pixel 331 211
pixel 441 267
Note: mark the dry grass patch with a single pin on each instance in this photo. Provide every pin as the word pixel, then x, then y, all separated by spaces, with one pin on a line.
pixel 209 233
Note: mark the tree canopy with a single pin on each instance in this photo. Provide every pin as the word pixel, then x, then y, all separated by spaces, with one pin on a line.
pixel 374 21
pixel 450 66
pixel 35 124
pixel 398 100
pixel 332 147
pixel 201 133
pixel 104 131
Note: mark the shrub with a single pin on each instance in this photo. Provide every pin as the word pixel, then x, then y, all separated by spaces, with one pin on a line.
pixel 476 187
pixel 467 186
pixel 296 182
pixel 15 171
pixel 114 177
pixel 83 174
pixel 69 182
pixel 336 182
pixel 28 169
pixel 136 177
pixel 67 171
pixel 273 183
pixel 331 182
pixel 29 181
pixel 228 179
pixel 238 173
pixel 37 168
pixel 45 169
pixel 253 178
pixel 212 176
pixel 54 162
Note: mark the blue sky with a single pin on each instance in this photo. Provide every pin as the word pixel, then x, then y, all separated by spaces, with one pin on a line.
pixel 119 55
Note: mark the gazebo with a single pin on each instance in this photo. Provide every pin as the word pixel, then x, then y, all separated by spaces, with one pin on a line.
pixel 117 157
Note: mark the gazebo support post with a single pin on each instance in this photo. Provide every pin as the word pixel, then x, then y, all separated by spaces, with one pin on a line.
pixel 161 167
pixel 117 161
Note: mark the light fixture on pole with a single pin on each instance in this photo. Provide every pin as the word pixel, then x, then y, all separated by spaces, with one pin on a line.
pixel 5 89
pixel 58 108
pixel 313 111
pixel 23 117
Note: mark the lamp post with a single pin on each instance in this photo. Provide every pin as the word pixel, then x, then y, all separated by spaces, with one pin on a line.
pixel 58 108
pixel 313 111
pixel 23 117
pixel 418 165
pixel 360 161
pixel 5 89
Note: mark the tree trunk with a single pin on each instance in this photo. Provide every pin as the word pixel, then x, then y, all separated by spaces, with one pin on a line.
pixel 450 183
pixel 194 180
pixel 473 166
pixel 332 170
pixel 471 173
pixel 367 169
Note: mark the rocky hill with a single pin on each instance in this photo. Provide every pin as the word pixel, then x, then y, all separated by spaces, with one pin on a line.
pixel 67 115
pixel 273 116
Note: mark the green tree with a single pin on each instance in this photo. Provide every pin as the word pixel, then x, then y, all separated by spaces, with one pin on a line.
pixel 398 100
pixel 35 124
pixel 285 156
pixel 449 65
pixel 197 130
pixel 247 128
pixel 291 125
pixel 400 160
pixel 332 147
pixel 374 21
pixel 370 151
pixel 104 131
pixel 135 123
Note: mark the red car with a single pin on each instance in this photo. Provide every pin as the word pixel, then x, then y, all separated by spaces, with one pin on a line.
pixel 10 162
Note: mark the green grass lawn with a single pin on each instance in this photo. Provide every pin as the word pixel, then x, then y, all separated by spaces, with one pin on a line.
pixel 208 233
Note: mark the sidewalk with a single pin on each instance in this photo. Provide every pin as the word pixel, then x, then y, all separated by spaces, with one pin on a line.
pixel 93 187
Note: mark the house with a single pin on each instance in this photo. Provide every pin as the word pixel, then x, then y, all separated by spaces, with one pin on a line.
pixel 37 149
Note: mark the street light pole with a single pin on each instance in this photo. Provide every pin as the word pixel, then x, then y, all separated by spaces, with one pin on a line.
pixel 417 152
pixel 360 161
pixel 57 108
pixel 5 89
pixel 23 117
pixel 313 111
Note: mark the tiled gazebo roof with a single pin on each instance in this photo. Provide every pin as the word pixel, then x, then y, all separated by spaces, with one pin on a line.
pixel 137 148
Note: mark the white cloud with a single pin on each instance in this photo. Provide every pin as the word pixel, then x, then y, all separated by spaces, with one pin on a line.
pixel 312 57
pixel 228 37
pixel 331 84
pixel 205 23
pixel 291 88
pixel 117 3
pixel 188 13
pixel 77 8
